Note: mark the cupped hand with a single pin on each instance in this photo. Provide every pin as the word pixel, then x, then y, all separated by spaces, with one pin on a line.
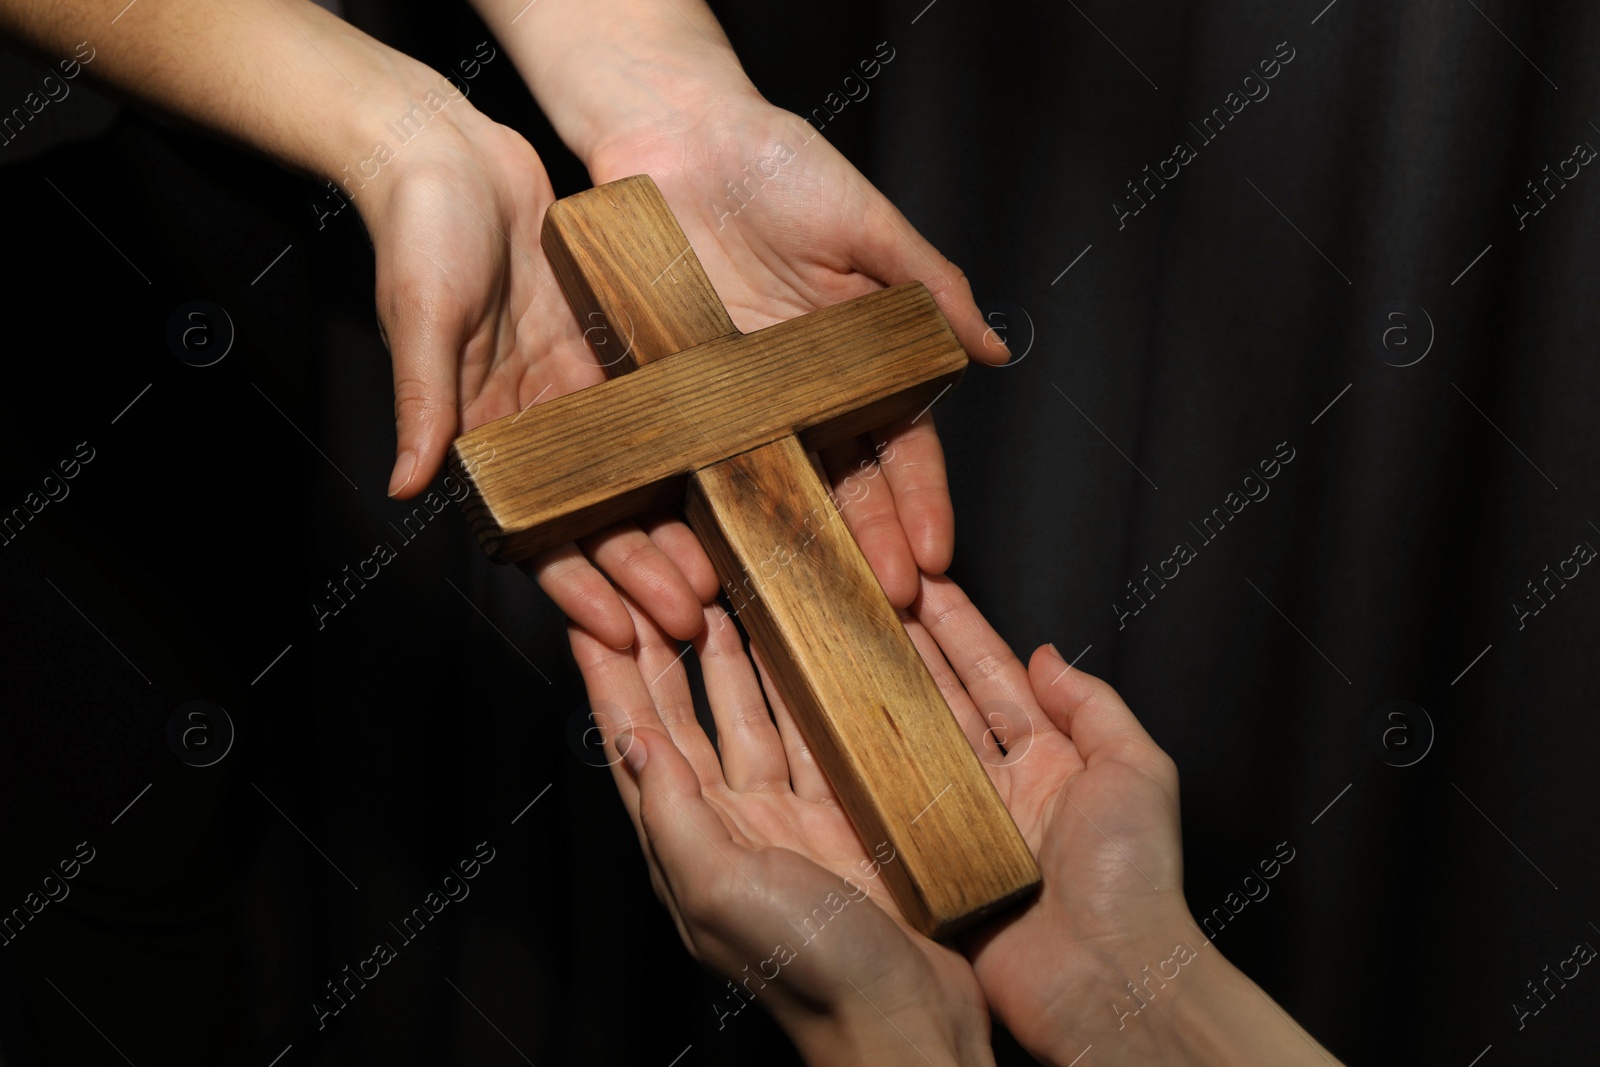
pixel 1095 799
pixel 478 329
pixel 763 874
pixel 784 225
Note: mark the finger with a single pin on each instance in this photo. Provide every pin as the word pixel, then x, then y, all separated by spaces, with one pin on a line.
pixel 638 566
pixel 583 594
pixel 425 329
pixel 673 536
pixel 981 658
pixel 661 666
pixel 618 700
pixel 805 774
pixel 693 845
pixel 979 733
pixel 868 507
pixel 623 710
pixel 753 760
pixel 913 464
pixel 1088 711
pixel 996 680
pixel 892 251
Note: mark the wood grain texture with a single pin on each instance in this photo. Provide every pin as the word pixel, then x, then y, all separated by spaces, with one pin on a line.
pixel 858 688
pixel 729 419
pixel 570 466
pixel 630 275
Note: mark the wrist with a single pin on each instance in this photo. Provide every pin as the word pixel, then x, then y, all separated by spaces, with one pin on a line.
pixel 410 110
pixel 862 1036
pixel 903 1009
pixel 1171 997
pixel 612 71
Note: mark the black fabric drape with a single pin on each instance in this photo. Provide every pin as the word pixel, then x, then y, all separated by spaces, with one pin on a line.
pixel 1183 335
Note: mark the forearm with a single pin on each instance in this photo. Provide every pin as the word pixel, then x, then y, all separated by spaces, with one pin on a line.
pixel 605 68
pixel 868 1038
pixel 283 77
pixel 1191 1009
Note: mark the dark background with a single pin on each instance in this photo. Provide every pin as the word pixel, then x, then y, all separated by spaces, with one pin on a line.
pixel 1177 352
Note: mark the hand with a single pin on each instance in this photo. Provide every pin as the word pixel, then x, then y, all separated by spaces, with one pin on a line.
pixel 765 878
pixel 453 202
pixel 1097 801
pixel 803 229
pixel 478 329
pixel 641 86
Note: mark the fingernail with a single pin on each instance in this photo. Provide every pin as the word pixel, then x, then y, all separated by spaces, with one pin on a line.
pixel 993 343
pixel 1056 652
pixel 632 752
pixel 403 468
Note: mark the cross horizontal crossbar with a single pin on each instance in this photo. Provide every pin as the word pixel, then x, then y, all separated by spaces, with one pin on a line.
pixel 571 466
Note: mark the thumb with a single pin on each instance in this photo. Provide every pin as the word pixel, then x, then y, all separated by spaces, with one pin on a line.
pixel 425 335
pixel 682 829
pixel 892 251
pixel 1086 709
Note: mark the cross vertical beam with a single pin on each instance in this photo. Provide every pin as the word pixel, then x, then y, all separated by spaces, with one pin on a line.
pixel 833 644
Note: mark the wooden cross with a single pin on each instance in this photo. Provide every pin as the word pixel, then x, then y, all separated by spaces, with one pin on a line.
pixel 724 426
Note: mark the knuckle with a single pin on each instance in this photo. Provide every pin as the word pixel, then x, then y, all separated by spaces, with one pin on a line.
pixel 563 569
pixel 1166 768
pixel 675 712
pixel 875 522
pixel 750 715
pixel 945 610
pixel 923 485
pixel 640 554
pixel 1128 750
pixel 704 901
pixel 950 278
pixel 988 666
pixel 410 298
pixel 413 400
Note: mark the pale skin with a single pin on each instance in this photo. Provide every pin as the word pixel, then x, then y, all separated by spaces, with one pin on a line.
pixel 477 329
pixel 744 836
pixel 476 326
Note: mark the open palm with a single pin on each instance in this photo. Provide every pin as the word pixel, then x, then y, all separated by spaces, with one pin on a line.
pixel 747 845
pixel 479 329
pixel 784 225
pixel 1097 802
